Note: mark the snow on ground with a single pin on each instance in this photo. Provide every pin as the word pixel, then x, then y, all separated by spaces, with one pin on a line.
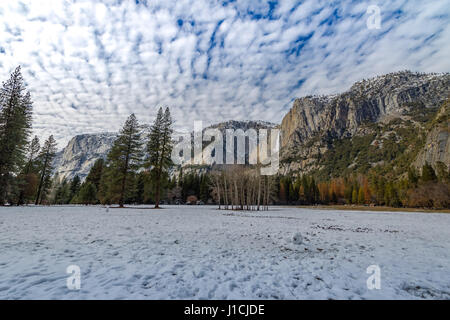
pixel 198 252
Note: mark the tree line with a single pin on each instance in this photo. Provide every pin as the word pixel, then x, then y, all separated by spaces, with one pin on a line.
pixel 427 188
pixel 237 187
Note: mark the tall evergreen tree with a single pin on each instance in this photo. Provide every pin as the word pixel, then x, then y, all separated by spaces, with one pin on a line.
pixel 32 152
pixel 159 148
pixel 29 171
pixel 75 185
pixel 46 157
pixel 355 196
pixel 62 193
pixel 140 187
pixel 361 198
pixel 124 158
pixel 15 128
pixel 87 194
pixel 95 174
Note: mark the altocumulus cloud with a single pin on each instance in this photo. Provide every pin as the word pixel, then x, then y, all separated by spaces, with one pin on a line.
pixel 90 64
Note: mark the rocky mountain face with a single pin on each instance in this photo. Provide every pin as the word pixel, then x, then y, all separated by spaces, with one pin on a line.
pixel 437 144
pixel 81 152
pixel 314 123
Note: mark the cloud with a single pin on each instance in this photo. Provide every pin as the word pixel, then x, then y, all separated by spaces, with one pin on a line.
pixel 90 64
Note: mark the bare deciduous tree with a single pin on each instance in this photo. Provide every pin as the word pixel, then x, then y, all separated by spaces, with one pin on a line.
pixel 242 188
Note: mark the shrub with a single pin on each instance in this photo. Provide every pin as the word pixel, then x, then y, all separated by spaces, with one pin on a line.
pixel 430 195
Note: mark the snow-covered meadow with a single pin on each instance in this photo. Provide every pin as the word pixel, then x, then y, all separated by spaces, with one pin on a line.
pixel 198 252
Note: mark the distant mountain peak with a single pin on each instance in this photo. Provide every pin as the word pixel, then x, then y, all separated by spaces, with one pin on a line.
pixel 81 152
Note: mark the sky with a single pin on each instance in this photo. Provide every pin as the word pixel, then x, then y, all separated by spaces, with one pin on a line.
pixel 89 64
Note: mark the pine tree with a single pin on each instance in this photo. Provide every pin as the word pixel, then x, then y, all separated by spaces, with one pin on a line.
pixel 95 174
pixel 103 193
pixel 140 187
pixel 124 159
pixel 303 193
pixel 87 194
pixel 381 189
pixel 391 195
pixel 95 177
pixel 159 148
pixel 29 172
pixel 354 196
pixel 46 157
pixel 15 128
pixel 315 191
pixel 32 152
pixel 75 185
pixel 62 193
pixel 361 198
